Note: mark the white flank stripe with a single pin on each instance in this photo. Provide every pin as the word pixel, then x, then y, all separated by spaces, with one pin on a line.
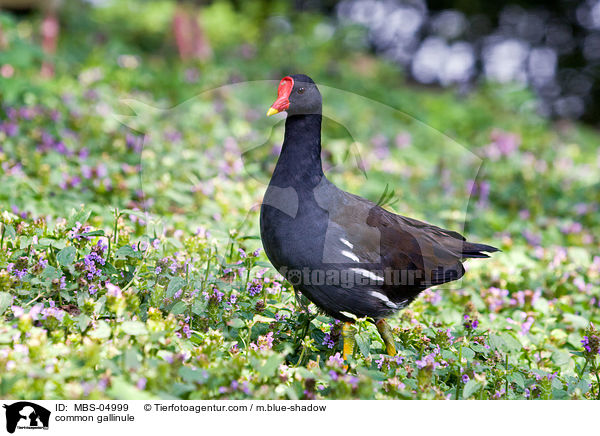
pixel 383 298
pixel 350 255
pixel 368 274
pixel 346 243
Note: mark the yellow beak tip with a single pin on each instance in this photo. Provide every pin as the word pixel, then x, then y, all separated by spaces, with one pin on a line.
pixel 272 111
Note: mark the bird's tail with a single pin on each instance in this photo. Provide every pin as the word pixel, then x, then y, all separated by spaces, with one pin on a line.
pixel 472 249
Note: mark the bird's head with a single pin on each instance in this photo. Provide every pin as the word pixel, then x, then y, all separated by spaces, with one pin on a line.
pixel 297 95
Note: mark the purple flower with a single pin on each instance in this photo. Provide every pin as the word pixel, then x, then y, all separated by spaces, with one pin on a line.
pixel 53 312
pixel 254 287
pixel 19 274
pixel 10 129
pixel 187 331
pixel 465 378
pixel 586 344
pixel 526 326
pixel 470 324
pixel 327 341
pixel 499 393
pixel 335 360
pixel 265 342
pixel 93 289
pixel 113 290
pixel 503 144
pixel 141 383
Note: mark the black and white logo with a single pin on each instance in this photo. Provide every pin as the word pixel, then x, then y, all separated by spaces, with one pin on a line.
pixel 27 416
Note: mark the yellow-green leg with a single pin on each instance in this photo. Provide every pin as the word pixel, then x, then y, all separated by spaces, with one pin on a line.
pixel 385 331
pixel 349 341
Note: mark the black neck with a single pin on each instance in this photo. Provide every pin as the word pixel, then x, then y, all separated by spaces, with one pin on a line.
pixel 299 163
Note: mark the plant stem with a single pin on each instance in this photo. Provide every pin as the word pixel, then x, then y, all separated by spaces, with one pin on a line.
pixel 137 271
pixel 583 369
pixel 207 268
pixel 459 366
pixel 31 301
pixel 115 234
pixel 2 237
pixel 301 356
pixel 595 369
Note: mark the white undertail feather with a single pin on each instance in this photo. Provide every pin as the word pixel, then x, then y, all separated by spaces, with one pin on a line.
pixel 346 243
pixel 385 299
pixel 368 274
pixel 350 255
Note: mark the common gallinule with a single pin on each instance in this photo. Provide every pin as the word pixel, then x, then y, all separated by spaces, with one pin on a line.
pixel 345 253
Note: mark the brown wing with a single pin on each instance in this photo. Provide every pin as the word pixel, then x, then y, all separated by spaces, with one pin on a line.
pixel 426 255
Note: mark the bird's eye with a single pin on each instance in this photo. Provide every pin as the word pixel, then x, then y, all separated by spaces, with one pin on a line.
pixel 301 90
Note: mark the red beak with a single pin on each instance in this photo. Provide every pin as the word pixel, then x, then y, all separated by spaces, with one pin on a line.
pixel 283 96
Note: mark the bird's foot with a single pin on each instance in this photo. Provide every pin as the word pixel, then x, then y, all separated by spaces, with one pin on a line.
pixel 385 331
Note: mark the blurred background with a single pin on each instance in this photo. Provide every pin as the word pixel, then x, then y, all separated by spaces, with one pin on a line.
pixel 552 48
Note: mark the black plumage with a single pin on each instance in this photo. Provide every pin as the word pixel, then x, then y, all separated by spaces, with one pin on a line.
pixel 345 253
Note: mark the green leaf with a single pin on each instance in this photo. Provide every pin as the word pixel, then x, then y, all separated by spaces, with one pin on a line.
pixel 236 323
pixel 108 269
pixel 50 273
pixel 83 321
pixel 263 264
pixel 372 374
pixel 517 377
pixel 576 320
pixel 175 285
pixel 512 343
pixel 132 359
pixel 66 256
pixel 134 328
pixel 467 353
pixel 584 386
pixel 497 343
pixel 102 331
pixel 10 232
pixel 470 388
pixel 124 252
pixel 268 369
pixel 479 348
pixel 363 344
pixel 94 233
pixel 561 358
pixel 349 315
pixel 5 301
pixel 199 307
pixel 260 318
pixel 80 216
pixel 191 375
pixel 178 308
pixel 123 390
pixel 45 242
